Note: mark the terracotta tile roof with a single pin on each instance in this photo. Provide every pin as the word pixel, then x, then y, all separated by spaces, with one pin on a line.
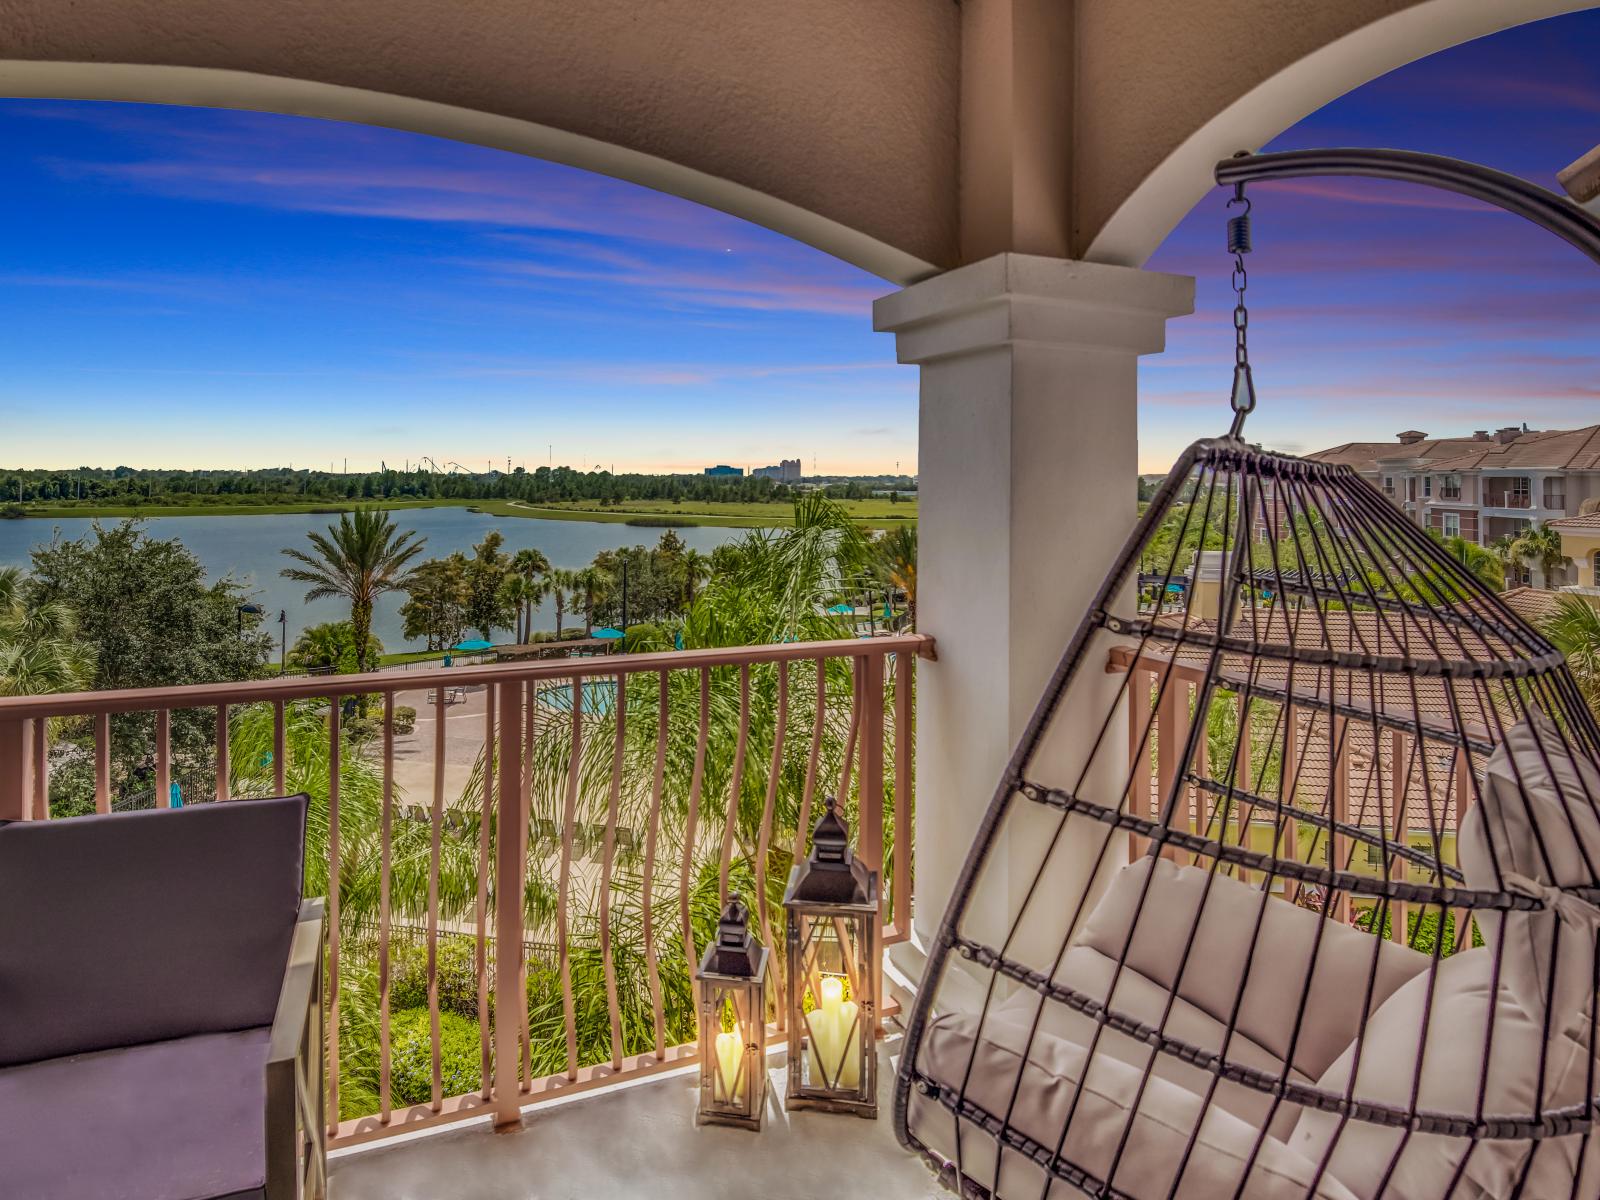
pixel 1581 523
pixel 1533 605
pixel 1365 456
pixel 1558 449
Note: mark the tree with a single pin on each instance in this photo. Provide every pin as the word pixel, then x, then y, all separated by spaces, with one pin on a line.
pixel 487 607
pixel 563 585
pixel 360 559
pixel 1574 629
pixel 696 570
pixel 332 647
pixel 40 650
pixel 896 565
pixel 1539 546
pixel 436 597
pixel 593 585
pixel 529 566
pixel 1480 562
pixel 148 617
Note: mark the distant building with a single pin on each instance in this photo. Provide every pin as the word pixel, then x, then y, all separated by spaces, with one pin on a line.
pixel 723 469
pixel 787 471
pixel 1491 484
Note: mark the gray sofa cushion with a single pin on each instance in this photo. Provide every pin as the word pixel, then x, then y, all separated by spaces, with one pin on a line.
pixel 177 1120
pixel 139 927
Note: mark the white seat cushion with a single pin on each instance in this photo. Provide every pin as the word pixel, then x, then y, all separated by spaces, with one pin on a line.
pixel 1086 970
pixel 1270 966
pixel 1451 1057
pixel 1141 1125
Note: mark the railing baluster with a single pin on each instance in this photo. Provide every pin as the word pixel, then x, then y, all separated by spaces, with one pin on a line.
pixel 435 838
pixel 869 668
pixel 568 828
pixel 15 785
pixel 334 753
pixel 280 749
pixel 41 769
pixel 385 831
pixel 481 956
pixel 851 736
pixel 224 768
pixel 652 969
pixel 764 838
pixel 163 758
pixel 730 824
pixel 510 709
pixel 618 750
pixel 691 822
pixel 102 762
pixel 509 873
pixel 803 822
pixel 905 666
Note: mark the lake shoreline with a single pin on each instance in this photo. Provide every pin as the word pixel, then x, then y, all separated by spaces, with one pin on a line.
pixel 637 518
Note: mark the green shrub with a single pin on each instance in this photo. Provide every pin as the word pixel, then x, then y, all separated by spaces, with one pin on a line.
pixel 458 976
pixel 411 1044
pixel 1422 928
pixel 405 718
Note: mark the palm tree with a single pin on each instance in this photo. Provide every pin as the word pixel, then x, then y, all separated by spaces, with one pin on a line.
pixel 40 651
pixel 593 585
pixel 360 558
pixel 897 565
pixel 562 585
pixel 1503 549
pixel 1539 546
pixel 696 570
pixel 1574 629
pixel 531 567
pixel 1482 563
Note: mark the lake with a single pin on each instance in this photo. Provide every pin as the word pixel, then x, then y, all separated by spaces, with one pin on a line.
pixel 249 548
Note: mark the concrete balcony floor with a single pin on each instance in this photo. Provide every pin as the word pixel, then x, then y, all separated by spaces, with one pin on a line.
pixel 641 1140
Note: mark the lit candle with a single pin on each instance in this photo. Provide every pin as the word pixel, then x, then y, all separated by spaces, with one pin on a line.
pixel 827 1032
pixel 730 1052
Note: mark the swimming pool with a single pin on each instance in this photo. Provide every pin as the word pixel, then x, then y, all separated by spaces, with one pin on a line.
pixel 598 696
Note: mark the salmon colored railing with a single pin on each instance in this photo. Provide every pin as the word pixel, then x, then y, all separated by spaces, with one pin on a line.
pixel 1335 789
pixel 642 789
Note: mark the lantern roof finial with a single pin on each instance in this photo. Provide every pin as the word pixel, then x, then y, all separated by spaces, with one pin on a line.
pixel 734 952
pixel 832 874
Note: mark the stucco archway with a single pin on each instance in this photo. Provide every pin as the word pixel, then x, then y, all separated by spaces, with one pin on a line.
pixel 1150 212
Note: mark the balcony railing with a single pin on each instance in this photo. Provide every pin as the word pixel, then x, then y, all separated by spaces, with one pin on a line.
pixel 1339 796
pixel 643 788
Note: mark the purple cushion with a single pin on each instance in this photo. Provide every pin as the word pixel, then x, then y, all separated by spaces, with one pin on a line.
pixel 176 1120
pixel 139 927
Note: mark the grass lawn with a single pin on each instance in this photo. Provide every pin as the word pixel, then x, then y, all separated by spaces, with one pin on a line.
pixel 876 513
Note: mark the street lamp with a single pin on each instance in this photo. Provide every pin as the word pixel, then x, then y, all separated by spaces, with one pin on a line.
pixel 283 642
pixel 254 610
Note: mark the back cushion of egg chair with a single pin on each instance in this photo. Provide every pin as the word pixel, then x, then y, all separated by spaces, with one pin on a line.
pixel 1279 957
pixel 1537 818
pixel 1452 1058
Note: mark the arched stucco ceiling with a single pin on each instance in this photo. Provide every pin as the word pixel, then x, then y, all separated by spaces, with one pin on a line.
pixel 1123 220
pixel 869 130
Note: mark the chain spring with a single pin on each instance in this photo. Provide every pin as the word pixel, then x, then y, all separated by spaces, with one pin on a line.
pixel 1243 398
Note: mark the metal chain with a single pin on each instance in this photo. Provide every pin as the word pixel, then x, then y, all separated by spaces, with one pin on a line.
pixel 1243 398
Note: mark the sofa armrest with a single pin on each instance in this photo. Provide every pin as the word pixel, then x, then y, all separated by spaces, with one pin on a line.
pixel 296 1126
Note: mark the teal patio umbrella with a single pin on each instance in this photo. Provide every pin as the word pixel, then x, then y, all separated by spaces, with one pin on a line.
pixel 474 646
pixel 608 633
pixel 843 610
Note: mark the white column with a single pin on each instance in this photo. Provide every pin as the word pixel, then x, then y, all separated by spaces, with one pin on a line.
pixel 1027 464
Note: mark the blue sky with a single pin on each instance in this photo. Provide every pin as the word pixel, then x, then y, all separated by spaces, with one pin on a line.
pixel 1377 307
pixel 188 287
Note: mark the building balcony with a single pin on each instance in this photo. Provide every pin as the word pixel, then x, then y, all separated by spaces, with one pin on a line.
pixel 647 787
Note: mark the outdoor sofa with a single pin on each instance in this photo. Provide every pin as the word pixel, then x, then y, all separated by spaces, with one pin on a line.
pixel 160 1006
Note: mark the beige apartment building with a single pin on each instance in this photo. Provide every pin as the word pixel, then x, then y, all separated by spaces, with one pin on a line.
pixel 1488 485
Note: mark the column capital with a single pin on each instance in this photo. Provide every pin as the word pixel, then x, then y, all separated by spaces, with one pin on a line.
pixel 1027 298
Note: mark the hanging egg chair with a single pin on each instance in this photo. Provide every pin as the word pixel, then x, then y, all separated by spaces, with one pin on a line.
pixel 1289 890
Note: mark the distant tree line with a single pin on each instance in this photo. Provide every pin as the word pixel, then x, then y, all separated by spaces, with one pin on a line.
pixel 128 486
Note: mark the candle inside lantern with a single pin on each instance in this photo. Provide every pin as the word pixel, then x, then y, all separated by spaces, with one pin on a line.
pixel 835 1036
pixel 730 1050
